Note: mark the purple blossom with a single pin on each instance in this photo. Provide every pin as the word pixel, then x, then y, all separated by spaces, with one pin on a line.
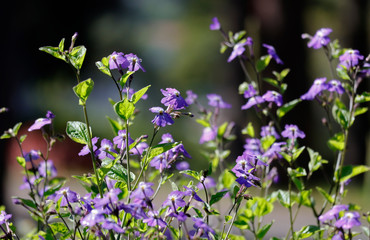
pixel 238 50
pixel 246 178
pixel 253 101
pixel 167 138
pixel 154 220
pixel 273 96
pixel 333 213
pixel 31 155
pixel 274 151
pixel 85 150
pixel 111 225
pixel 162 118
pixel 253 147
pixel 292 131
pixel 250 92
pixel 40 122
pixel 191 192
pixel 94 217
pixel 272 52
pixel 336 86
pixel 179 149
pixel 4 217
pixel 173 98
pixel 134 62
pixel 215 25
pixel 190 97
pixel 120 139
pixel 118 61
pixel 200 225
pixel 175 200
pixel 143 191
pixel 246 162
pixel 318 86
pixel 208 134
pixel 135 209
pixel 67 196
pixel 350 58
pixel 320 38
pixel 180 216
pixel 349 220
pixel 109 197
pixel 160 162
pixel 269 131
pixel 139 148
pixel 183 165
pixel 47 168
pixel 215 100
pixel 106 147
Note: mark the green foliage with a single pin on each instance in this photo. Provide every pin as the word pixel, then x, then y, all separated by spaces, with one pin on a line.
pixel 124 109
pixel 83 90
pixel 78 132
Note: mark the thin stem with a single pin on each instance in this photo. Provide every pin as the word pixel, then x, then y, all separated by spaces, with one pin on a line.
pixel 232 221
pixel 206 193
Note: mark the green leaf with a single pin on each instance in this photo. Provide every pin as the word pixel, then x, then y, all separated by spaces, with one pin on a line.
pixel 228 218
pixel 364 97
pixel 119 173
pixel 262 231
pixel 259 206
pixel 59 227
pixel 360 110
pixel 83 89
pixel 103 66
pixel 61 46
pixel 306 231
pixel 342 73
pixel 54 51
pixel 337 142
pixel 316 160
pixel 249 130
pixel 124 109
pixel 221 130
pixel 283 197
pixel 263 62
pixel 272 81
pixel 192 173
pixel 304 197
pixel 239 35
pixel 116 126
pixel 217 197
pixel 22 138
pixel 77 131
pixel 298 172
pixel 325 194
pixel 350 171
pixel 227 179
pixel 287 107
pixel 161 148
pixel 203 122
pixel 77 56
pixel 341 114
pixel 21 161
pixel 124 78
pixel 137 95
pixel 267 141
pixel 26 202
pixel 223 48
pixel 297 152
pixel 16 128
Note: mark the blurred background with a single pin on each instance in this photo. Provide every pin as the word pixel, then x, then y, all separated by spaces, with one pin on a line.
pixel 178 50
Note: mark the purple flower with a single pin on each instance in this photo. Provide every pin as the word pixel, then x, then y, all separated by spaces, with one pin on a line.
pixel 139 148
pixel 118 61
pixel 250 92
pixel 191 192
pixel 47 168
pixel 143 191
pixel 167 138
pixel 4 217
pixel 247 179
pixel 160 162
pixel 274 151
pixel 173 98
pixel 183 165
pixel 162 118
pixel 238 50
pixel 320 38
pixel 85 150
pixel 67 196
pixel 253 147
pixel 318 86
pixel 200 225
pixel 349 220
pixel 215 100
pixel 215 25
pixel 179 149
pixel 111 225
pixel 292 131
pixel 350 58
pixel 336 86
pixel 246 162
pixel 272 52
pixel 120 139
pixel 175 200
pixel 333 213
pixel 272 96
pixel 109 197
pixel 208 134
pixel 190 97
pixel 106 146
pixel 40 122
pixel 134 62
pixel 94 217
pixel 154 220
pixel 269 131
pixel 135 209
pixel 253 101
pixel 31 155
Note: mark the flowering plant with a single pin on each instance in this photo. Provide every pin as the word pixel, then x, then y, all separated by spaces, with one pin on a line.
pixel 121 196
